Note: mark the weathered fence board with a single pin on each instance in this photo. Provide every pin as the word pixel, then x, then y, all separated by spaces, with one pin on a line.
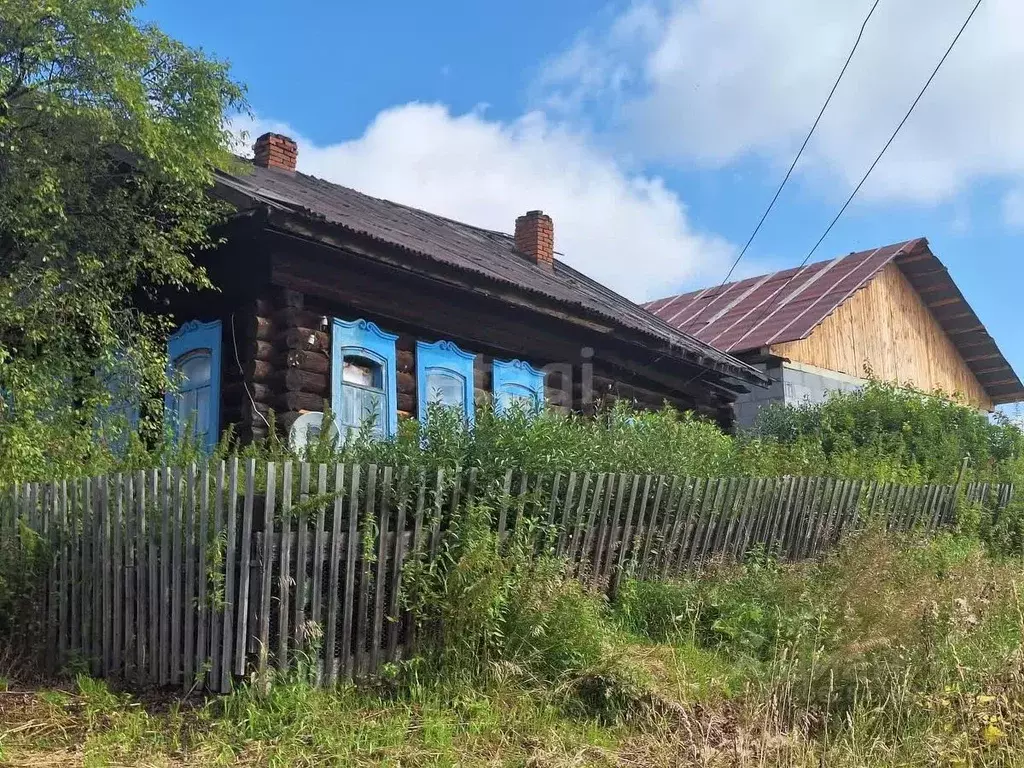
pixel 203 575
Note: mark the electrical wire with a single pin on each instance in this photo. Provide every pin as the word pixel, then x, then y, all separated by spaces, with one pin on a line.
pixel 241 370
pixel 800 152
pixel 871 168
pixel 874 163
pixel 893 136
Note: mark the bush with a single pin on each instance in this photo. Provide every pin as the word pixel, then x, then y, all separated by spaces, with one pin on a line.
pixel 892 433
pixel 492 612
pixel 880 433
pixel 749 609
pixel 882 617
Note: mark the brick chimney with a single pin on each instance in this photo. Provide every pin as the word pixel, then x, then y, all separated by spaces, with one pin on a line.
pixel 272 150
pixel 535 238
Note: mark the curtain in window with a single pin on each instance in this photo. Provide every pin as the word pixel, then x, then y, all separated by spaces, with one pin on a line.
pixel 363 377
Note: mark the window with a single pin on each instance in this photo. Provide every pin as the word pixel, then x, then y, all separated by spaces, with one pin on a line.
pixel 362 394
pixel 363 377
pixel 194 352
pixel 444 375
pixel 517 384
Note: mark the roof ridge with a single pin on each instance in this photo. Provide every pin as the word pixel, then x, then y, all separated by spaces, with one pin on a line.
pixel 471 248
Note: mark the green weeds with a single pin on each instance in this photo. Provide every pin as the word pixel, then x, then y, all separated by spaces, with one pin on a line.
pixel 889 652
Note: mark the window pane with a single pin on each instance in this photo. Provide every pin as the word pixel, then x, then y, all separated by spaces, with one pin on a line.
pixel 518 396
pixel 193 412
pixel 359 404
pixel 359 370
pixel 446 388
pixel 186 402
pixel 195 369
pixel 202 418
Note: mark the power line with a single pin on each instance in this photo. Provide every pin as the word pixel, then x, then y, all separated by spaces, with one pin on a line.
pixel 793 165
pixel 874 163
pixel 799 154
pixel 803 146
pixel 906 117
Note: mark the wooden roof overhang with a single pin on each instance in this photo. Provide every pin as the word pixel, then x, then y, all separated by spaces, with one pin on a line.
pixel 787 306
pixel 482 264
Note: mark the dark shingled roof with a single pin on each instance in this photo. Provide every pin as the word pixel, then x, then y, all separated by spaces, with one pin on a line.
pixel 787 306
pixel 463 246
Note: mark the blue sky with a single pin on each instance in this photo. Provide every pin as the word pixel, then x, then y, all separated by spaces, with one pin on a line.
pixel 654 132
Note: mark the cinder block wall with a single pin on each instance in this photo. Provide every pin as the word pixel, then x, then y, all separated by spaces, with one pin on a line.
pixel 747 405
pixel 792 384
pixel 808 384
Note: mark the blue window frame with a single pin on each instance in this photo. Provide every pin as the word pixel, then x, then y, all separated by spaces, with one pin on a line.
pixel 194 351
pixel 363 377
pixel 517 382
pixel 444 374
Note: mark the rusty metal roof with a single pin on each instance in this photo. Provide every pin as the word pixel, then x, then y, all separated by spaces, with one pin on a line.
pixel 787 306
pixel 484 252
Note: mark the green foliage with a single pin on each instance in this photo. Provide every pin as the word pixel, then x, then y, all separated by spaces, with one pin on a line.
pixel 882 433
pixel 887 432
pixel 110 133
pixel 619 438
pixel 493 611
pixel 1002 530
pixel 879 616
pixel 750 609
pixel 24 559
pixel 890 652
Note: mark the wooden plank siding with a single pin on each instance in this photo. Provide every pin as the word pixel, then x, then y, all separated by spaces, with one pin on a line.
pixel 888 328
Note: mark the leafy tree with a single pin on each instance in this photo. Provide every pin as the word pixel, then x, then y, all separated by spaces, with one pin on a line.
pixel 110 134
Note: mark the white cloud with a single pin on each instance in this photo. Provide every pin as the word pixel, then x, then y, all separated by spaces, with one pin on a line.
pixel 625 229
pixel 715 81
pixel 1013 208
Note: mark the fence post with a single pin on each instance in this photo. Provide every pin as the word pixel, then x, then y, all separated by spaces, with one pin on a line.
pixel 398 559
pixel 316 604
pixel 955 500
pixel 266 580
pixel 245 561
pixel 330 636
pixel 230 598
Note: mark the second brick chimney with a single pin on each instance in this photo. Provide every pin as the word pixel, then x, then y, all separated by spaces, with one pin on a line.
pixel 535 238
pixel 272 150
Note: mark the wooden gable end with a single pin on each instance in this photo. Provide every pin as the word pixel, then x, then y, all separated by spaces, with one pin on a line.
pixel 886 327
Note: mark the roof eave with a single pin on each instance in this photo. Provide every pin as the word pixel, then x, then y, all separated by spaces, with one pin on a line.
pixel 281 214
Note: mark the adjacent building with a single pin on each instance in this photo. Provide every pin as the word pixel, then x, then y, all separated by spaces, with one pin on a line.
pixel 892 312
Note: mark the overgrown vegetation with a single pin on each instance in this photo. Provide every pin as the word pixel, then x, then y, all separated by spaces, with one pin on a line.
pixel 884 428
pixel 110 132
pixel 882 432
pixel 888 652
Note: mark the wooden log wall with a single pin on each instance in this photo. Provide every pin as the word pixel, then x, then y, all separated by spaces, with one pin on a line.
pixel 344 284
pixel 283 342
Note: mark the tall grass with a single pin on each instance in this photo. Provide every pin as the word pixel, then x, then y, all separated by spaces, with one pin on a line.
pixel 889 652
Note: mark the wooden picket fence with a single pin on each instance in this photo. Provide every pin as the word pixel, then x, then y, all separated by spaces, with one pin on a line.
pixel 197 577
